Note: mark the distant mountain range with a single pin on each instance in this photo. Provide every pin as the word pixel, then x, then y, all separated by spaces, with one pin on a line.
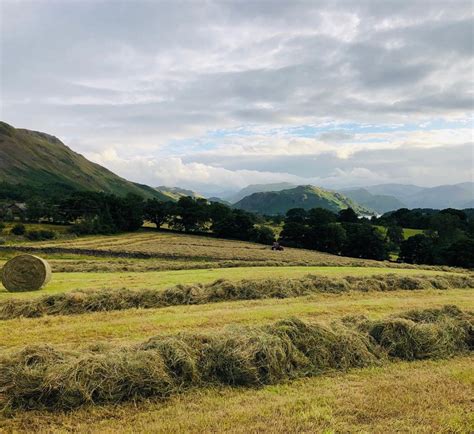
pixel 42 161
pixel 303 196
pixel 379 198
pixel 380 203
pixel 443 196
pixel 39 160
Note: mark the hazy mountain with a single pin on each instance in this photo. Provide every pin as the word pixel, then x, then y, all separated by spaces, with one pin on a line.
pixel 442 196
pixel 304 196
pixel 377 202
pixel 219 200
pixel 400 191
pixel 257 188
pixel 43 161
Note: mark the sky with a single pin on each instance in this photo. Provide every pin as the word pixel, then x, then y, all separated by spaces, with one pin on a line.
pixel 216 95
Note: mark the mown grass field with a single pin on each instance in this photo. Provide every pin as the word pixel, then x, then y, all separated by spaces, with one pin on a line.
pixel 415 397
pixel 148 250
pixel 393 396
pixel 66 282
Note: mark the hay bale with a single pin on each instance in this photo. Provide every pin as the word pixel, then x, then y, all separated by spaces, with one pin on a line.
pixel 25 273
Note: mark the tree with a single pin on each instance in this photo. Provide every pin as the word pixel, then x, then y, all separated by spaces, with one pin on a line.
pixel 448 226
pixel 418 249
pixel 262 235
pixel 320 216
pixel 294 234
pixel 364 241
pixel 460 253
pixel 348 215
pixel 158 212
pixel 296 215
pixel 395 235
pixel 238 225
pixel 191 214
pixel 327 238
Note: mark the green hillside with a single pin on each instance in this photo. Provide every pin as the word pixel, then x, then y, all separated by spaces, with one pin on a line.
pixel 42 161
pixel 303 196
pixel 175 193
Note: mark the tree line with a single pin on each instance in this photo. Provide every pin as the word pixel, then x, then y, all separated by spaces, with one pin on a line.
pixel 447 238
pixel 103 213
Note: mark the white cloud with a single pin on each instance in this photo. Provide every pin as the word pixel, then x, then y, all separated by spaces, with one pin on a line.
pixel 153 81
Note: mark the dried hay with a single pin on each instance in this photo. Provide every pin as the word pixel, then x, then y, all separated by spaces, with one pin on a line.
pixel 25 273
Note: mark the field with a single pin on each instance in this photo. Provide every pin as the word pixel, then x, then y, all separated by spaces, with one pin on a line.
pixel 426 389
pixel 407 232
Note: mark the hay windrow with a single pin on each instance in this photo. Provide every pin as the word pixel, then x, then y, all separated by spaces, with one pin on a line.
pixel 221 290
pixel 41 377
pixel 25 273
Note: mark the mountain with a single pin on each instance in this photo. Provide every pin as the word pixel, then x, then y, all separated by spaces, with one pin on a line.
pixel 219 200
pixel 378 202
pixel 175 193
pixel 303 196
pixel 258 188
pixel 443 196
pixel 400 191
pixel 42 161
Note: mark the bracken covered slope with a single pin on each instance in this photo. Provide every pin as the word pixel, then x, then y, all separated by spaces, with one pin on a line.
pixel 40 160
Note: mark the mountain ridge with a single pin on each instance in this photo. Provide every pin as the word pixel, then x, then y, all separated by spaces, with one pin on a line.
pixel 40 160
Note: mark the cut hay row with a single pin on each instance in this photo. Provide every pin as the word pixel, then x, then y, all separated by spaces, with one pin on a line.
pixel 40 377
pixel 79 302
pixel 161 245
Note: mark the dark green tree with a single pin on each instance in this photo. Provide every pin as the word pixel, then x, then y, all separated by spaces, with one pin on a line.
pixel 158 212
pixel 395 235
pixel 348 215
pixel 418 249
pixel 364 241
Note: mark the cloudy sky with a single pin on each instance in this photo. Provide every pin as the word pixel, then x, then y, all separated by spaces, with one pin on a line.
pixel 217 95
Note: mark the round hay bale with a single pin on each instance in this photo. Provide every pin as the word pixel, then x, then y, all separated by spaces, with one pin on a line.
pixel 25 273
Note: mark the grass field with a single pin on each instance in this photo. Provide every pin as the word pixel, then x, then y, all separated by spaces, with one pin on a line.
pixel 407 232
pixel 65 282
pixel 393 396
pixel 148 250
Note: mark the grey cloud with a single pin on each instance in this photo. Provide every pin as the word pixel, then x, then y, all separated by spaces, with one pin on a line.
pixel 102 73
pixel 438 164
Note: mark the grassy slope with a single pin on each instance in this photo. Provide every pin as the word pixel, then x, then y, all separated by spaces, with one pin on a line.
pixel 420 397
pixel 407 232
pixel 38 159
pixel 64 282
pixel 169 245
pixel 138 324
pixel 417 397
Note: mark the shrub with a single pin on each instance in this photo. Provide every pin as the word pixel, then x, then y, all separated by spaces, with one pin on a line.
pixel 262 235
pixel 18 229
pixel 40 235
